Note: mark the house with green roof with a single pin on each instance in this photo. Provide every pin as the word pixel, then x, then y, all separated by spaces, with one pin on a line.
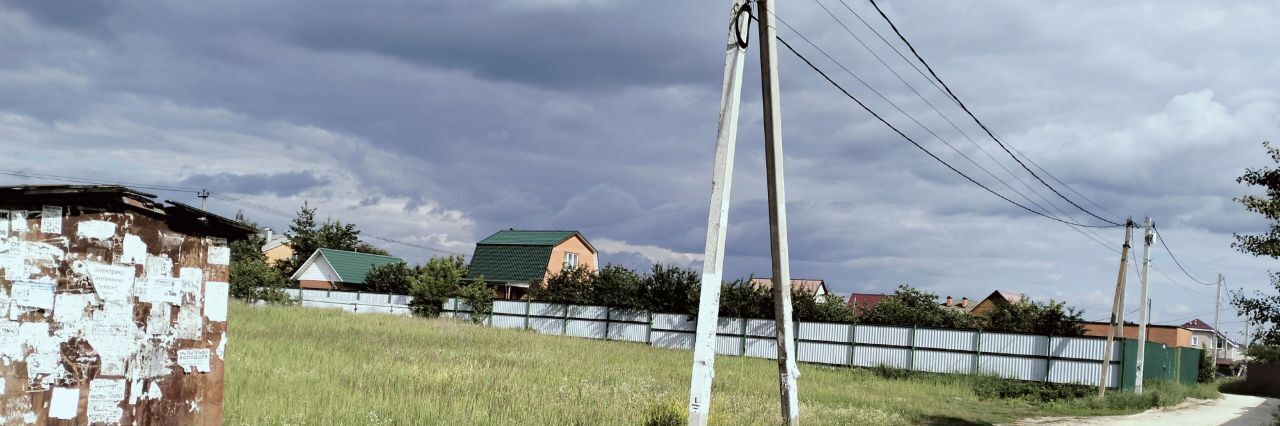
pixel 329 269
pixel 512 259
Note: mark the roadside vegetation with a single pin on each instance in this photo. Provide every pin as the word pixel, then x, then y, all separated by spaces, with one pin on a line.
pixel 293 365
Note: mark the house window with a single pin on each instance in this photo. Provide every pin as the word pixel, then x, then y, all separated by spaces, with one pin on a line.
pixel 1195 341
pixel 570 259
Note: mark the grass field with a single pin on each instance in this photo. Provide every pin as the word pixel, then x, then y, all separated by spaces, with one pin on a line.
pixel 291 365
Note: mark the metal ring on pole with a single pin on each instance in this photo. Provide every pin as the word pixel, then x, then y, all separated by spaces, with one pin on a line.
pixel 740 33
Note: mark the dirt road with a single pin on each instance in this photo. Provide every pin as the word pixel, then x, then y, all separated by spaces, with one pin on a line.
pixel 1235 410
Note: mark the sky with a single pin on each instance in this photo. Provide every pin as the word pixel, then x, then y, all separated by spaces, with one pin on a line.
pixel 441 122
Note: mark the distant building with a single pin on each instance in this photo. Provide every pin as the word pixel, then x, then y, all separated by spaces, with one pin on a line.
pixel 1170 335
pixel 863 301
pixel 963 306
pixel 277 248
pixel 512 259
pixel 996 299
pixel 1205 336
pixel 329 269
pixel 817 287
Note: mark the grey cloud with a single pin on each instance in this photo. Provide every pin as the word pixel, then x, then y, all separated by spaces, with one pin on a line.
pixel 280 184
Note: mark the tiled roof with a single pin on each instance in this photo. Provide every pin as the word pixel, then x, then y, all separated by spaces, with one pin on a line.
pixel 523 237
pixel 509 262
pixel 352 267
pixel 811 286
pixel 861 301
pixel 1196 324
pixel 1009 296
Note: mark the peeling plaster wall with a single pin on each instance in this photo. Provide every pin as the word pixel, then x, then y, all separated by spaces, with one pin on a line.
pixel 109 317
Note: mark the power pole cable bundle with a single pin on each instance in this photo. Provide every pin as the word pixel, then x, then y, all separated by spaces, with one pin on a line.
pixel 1117 308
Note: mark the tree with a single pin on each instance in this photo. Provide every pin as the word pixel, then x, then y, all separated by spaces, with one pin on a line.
pixel 572 285
pixel 908 306
pixel 672 289
pixel 1029 316
pixel 742 299
pixel 832 308
pixel 618 287
pixel 434 283
pixel 390 278
pixel 306 235
pixel 252 279
pixel 479 297
pixel 1261 309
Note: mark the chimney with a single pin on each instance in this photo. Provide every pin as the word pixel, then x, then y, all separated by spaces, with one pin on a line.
pixel 266 233
pixel 949 302
pixel 964 302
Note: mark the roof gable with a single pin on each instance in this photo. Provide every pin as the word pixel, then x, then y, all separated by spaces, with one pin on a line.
pixel 351 267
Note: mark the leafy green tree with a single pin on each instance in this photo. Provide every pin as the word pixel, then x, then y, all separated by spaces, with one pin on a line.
pixel 1266 354
pixel 618 287
pixel 1207 371
pixel 306 235
pixel 434 283
pixel 1263 310
pixel 479 297
pixel 252 279
pixel 572 285
pixel 742 299
pixel 1028 316
pixel 831 308
pixel 908 306
pixel 672 289
pixel 394 278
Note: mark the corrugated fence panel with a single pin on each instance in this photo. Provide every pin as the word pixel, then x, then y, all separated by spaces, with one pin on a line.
pixel 729 326
pixel 547 325
pixel 375 309
pixel 871 356
pixel 588 312
pixel 313 294
pixel 1083 348
pixel 827 332
pixel 546 310
pixel 956 340
pixel 399 310
pixel 508 321
pixel 635 315
pixel 1012 367
pixel 672 339
pixel 673 322
pixel 340 295
pixel 728 345
pixel 628 332
pixel 762 348
pixel 1081 372
pixel 584 328
pixel 508 307
pixel 824 353
pixel 463 316
pixel 883 335
pixel 761 328
pixel 319 304
pixel 401 299
pixel 943 362
pixel 1015 344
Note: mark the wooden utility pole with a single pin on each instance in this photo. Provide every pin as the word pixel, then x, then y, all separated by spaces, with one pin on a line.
pixel 704 347
pixel 1142 320
pixel 773 159
pixel 1117 305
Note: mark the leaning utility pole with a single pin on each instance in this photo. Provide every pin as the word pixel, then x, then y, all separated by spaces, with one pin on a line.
pixel 1217 332
pixel 717 220
pixel 704 346
pixel 1117 305
pixel 785 328
pixel 1142 317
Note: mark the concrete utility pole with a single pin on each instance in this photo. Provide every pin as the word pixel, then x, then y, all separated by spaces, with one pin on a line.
pixel 1142 317
pixel 1217 332
pixel 704 347
pixel 773 159
pixel 1117 305
pixel 204 196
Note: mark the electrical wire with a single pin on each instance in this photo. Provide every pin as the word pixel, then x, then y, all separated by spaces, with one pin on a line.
pixel 1175 258
pixel 979 122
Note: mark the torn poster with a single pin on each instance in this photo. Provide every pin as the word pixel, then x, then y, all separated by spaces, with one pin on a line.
pixel 215 300
pixel 162 290
pixel 105 396
pixel 51 220
pixel 194 359
pixel 4 223
pixel 190 323
pixel 219 255
pixel 96 230
pixel 13 259
pixel 44 368
pixel 158 321
pixel 192 279
pixel 113 283
pixel 222 345
pixel 70 310
pixel 134 250
pixel 33 294
pixel 159 266
pixel 111 333
pixel 10 341
pixel 18 220
pixel 65 403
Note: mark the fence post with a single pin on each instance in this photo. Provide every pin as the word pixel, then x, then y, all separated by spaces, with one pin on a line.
pixel 455 308
pixel 977 355
pixel 527 304
pixel 853 341
pixel 744 336
pixel 564 328
pixel 1048 357
pixel 357 295
pixel 608 315
pixel 648 332
pixel 911 360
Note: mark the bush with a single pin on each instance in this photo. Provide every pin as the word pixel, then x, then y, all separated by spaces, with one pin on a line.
pixel 572 285
pixel 390 278
pixel 672 289
pixel 252 280
pixel 434 283
pixel 1265 354
pixel 1207 370
pixel 666 414
pixel 909 306
pixel 618 287
pixel 994 387
pixel 479 297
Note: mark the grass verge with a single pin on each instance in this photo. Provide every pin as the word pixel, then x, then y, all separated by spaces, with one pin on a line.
pixel 293 365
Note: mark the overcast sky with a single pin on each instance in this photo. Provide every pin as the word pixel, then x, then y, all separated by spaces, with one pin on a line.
pixel 442 122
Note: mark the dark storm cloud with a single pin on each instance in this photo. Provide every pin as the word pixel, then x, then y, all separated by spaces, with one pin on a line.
pixel 88 16
pixel 280 184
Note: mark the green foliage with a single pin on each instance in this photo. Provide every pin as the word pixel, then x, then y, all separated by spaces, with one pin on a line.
pixel 995 387
pixel 390 278
pixel 1207 371
pixel 1263 310
pixel 742 299
pixel 1028 316
pixel 617 286
pixel 672 289
pixel 306 235
pixel 665 414
pixel 1265 354
pixel 479 297
pixel 908 306
pixel 434 283
pixel 831 308
pixel 572 285
pixel 252 279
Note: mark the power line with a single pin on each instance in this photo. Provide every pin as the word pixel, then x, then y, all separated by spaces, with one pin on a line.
pixel 913 141
pixel 1175 258
pixel 979 122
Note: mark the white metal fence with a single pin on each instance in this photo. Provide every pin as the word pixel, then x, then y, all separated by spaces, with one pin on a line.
pixel 1009 355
